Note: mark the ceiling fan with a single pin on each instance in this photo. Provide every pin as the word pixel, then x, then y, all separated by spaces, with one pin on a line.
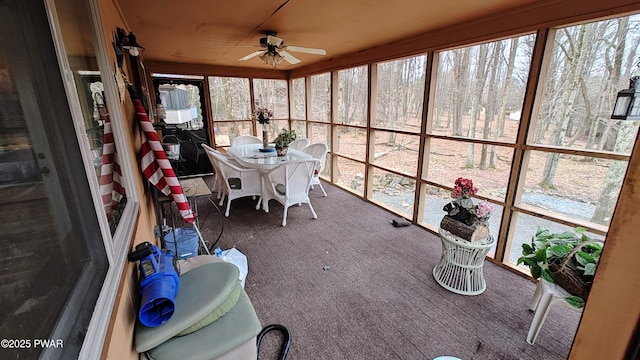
pixel 275 50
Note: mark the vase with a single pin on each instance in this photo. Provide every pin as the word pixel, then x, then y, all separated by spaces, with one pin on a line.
pixel 265 138
pixel 282 151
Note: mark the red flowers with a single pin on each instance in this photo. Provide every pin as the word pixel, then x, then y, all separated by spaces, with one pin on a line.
pixel 463 188
pixel 462 207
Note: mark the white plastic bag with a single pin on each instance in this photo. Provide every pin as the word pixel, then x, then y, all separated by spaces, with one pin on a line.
pixel 235 257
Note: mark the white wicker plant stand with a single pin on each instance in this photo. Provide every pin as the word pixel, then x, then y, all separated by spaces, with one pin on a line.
pixel 460 267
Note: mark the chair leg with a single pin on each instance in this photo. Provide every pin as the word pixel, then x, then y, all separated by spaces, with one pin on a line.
pixel 538 319
pixel 322 188
pixel 259 202
pixel 219 188
pixel 284 218
pixel 222 199
pixel 228 207
pixel 315 216
pixel 214 187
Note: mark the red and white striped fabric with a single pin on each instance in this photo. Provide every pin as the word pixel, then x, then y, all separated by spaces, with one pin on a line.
pixel 157 168
pixel 111 189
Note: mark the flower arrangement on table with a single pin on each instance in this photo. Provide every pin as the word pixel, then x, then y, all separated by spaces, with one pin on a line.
pixel 263 116
pixel 472 217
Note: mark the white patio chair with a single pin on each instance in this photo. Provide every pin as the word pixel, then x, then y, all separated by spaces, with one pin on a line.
pixel 300 144
pixel 289 185
pixel 245 139
pixel 236 182
pixel 318 151
pixel 218 182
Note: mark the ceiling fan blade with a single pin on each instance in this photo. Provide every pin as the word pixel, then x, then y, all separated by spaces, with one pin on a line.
pixel 306 50
pixel 274 40
pixel 252 55
pixel 288 57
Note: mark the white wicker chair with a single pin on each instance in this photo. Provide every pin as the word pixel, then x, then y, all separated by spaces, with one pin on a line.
pixel 245 139
pixel 289 185
pixel 218 178
pixel 234 181
pixel 318 151
pixel 300 144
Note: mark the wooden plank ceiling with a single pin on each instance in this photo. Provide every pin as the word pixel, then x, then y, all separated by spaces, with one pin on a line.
pixel 221 32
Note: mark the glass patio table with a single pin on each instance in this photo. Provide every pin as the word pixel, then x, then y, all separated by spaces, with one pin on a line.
pixel 250 156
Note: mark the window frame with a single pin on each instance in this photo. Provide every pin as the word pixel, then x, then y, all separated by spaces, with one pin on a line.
pixel 116 246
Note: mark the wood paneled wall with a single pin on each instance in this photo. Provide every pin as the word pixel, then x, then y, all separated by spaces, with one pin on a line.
pixel 119 343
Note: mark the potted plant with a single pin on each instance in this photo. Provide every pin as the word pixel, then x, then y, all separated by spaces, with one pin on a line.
pixel 568 259
pixel 464 218
pixel 283 140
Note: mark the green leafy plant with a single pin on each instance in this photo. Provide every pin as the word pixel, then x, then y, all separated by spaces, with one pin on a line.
pixel 547 255
pixel 285 138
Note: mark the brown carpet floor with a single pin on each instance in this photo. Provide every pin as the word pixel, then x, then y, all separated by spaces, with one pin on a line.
pixel 349 285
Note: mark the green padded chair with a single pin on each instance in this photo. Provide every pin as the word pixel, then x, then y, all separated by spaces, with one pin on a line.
pixel 213 319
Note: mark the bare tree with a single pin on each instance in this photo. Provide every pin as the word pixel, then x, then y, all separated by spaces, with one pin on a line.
pixel 585 116
pixel 574 53
pixel 616 81
pixel 461 76
pixel 491 104
pixel 506 86
pixel 444 87
pixel 352 90
pixel 476 96
pixel 626 135
pixel 321 97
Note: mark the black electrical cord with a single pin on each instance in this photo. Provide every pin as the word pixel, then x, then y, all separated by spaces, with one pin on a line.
pixel 286 342
pixel 221 224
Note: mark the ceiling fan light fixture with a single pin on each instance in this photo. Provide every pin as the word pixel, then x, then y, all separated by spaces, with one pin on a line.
pixel 274 51
pixel 271 58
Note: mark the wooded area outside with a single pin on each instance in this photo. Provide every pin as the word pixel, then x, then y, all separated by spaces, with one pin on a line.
pixel 298 103
pixel 269 94
pixel 574 157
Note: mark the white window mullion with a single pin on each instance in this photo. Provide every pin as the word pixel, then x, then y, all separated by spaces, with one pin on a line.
pixel 116 246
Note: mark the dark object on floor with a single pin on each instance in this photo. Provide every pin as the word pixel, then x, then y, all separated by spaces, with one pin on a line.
pixel 286 342
pixel 400 222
